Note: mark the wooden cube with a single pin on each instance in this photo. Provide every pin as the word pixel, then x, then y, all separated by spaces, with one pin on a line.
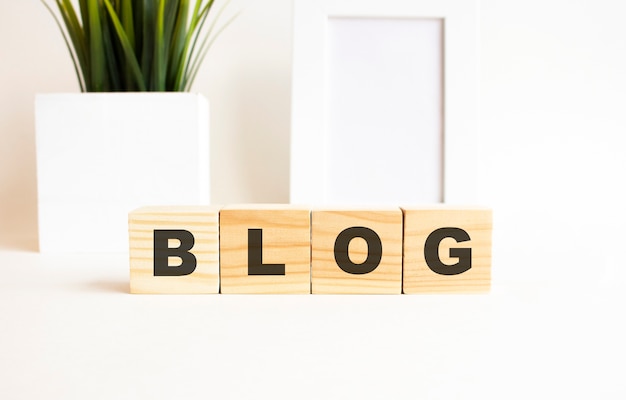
pixel 174 249
pixel 447 249
pixel 265 249
pixel 356 251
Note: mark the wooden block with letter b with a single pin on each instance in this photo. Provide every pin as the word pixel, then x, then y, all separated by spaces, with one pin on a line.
pixel 447 249
pixel 174 249
pixel 356 251
pixel 265 249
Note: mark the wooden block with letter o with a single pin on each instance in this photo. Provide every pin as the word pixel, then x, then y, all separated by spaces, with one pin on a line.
pixel 356 251
pixel 265 249
pixel 447 249
pixel 174 249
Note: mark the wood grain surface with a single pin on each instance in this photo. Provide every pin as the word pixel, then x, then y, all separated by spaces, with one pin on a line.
pixel 201 221
pixel 328 277
pixel 419 223
pixel 286 240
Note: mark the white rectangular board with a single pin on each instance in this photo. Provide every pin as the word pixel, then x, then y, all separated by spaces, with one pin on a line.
pixel 339 115
pixel 385 110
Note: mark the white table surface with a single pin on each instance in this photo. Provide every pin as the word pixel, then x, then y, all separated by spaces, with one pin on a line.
pixel 69 329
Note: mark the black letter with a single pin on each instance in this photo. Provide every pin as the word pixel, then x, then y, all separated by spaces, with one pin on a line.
pixel 255 256
pixel 374 250
pixel 431 252
pixel 162 252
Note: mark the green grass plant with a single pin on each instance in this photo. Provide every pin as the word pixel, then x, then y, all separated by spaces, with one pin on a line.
pixel 137 45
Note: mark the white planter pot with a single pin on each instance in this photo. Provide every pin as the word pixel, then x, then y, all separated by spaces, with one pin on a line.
pixel 100 155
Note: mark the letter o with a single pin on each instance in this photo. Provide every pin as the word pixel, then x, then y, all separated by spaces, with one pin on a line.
pixel 374 250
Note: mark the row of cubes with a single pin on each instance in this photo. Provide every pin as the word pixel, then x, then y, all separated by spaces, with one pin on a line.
pixel 298 250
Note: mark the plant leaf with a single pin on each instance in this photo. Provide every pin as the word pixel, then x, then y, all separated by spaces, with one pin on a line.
pixel 204 48
pixel 147 55
pixel 177 47
pixel 96 50
pixel 159 49
pixel 121 45
pixel 195 26
pixel 69 48
pixel 129 53
pixel 127 18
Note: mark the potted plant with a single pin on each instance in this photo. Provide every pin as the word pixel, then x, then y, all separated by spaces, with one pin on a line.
pixel 101 154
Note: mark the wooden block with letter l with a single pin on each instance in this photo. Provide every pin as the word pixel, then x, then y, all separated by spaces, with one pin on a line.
pixel 265 249
pixel 174 249
pixel 356 251
pixel 447 250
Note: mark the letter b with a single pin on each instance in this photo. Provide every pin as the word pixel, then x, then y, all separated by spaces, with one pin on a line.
pixel 162 252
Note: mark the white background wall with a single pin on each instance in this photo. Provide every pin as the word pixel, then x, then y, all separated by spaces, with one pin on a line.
pixel 553 126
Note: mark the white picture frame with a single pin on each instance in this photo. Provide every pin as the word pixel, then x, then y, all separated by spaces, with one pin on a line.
pixel 309 122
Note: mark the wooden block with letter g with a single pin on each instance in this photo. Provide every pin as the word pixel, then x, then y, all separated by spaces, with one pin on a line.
pixel 265 249
pixel 447 249
pixel 174 249
pixel 356 251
